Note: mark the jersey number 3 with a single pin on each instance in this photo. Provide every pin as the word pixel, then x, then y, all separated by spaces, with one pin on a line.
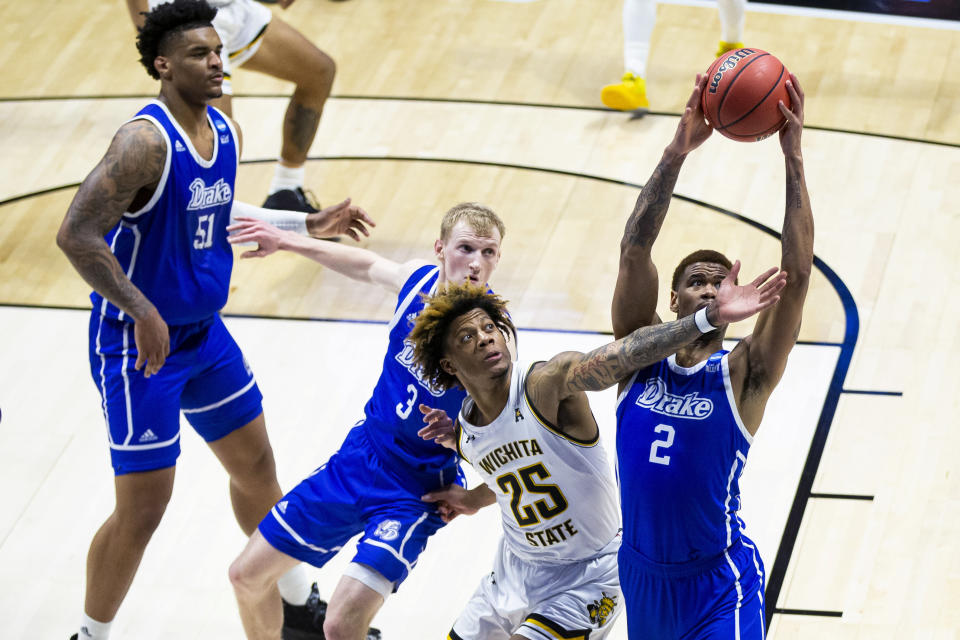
pixel 664 443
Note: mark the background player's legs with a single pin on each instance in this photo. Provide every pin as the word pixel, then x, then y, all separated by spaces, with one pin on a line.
pixel 286 54
pixel 254 576
pixel 351 610
pixel 117 548
pixel 731 24
pixel 639 16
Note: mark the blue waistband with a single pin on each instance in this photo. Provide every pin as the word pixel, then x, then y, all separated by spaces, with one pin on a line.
pixel 676 569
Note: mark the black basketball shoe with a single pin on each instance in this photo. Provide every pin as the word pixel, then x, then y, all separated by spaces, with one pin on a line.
pixel 292 200
pixel 305 621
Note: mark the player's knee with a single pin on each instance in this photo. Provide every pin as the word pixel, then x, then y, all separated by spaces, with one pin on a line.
pixel 339 625
pixel 319 73
pixel 258 470
pixel 138 522
pixel 244 578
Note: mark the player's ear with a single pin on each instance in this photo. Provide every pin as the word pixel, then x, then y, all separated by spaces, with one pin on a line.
pixel 438 248
pixel 162 65
pixel 674 306
pixel 447 366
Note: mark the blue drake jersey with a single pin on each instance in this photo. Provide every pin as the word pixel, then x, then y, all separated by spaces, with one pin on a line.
pixel 392 414
pixel 175 248
pixel 681 447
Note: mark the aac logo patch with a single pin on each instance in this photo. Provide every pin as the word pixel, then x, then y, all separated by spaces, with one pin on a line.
pixel 388 530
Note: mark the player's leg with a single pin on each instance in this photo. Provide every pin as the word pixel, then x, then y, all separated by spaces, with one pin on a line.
pixel 286 54
pixel 731 597
pixel 630 94
pixel 570 601
pixel 354 603
pixel 499 603
pixel 247 456
pixel 118 546
pixel 731 24
pixel 143 427
pixel 254 576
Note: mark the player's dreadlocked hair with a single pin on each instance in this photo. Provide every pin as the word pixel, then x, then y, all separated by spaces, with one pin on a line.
pixel 701 255
pixel 167 22
pixel 430 331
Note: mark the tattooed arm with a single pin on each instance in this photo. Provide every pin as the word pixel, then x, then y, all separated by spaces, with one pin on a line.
pixel 131 167
pixel 635 295
pixel 569 373
pixel 764 353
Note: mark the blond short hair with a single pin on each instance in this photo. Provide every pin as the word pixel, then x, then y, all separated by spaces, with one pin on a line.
pixel 480 217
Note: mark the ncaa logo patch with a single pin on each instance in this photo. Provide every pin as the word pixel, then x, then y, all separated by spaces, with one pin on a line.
pixel 221 126
pixel 388 530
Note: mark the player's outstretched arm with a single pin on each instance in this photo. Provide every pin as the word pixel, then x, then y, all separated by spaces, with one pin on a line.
pixel 343 218
pixel 135 160
pixel 455 500
pixel 635 295
pixel 354 262
pixel 571 372
pixel 778 328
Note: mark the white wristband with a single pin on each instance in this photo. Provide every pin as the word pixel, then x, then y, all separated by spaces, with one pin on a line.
pixel 700 317
pixel 280 218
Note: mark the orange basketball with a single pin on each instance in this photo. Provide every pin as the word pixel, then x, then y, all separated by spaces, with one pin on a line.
pixel 743 89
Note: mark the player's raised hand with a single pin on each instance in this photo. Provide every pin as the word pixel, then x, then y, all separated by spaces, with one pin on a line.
pixel 266 236
pixel 439 427
pixel 790 132
pixel 735 302
pixel 340 219
pixel 693 129
pixel 152 338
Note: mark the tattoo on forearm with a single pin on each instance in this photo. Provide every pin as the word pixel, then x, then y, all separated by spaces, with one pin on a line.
pixel 794 192
pixel 644 223
pixel 604 367
pixel 300 123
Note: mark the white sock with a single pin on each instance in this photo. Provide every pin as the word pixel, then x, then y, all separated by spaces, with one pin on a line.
pixel 91 629
pixel 731 19
pixel 639 17
pixel 286 178
pixel 295 585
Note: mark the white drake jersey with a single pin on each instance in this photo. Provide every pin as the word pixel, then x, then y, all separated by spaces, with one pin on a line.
pixel 557 494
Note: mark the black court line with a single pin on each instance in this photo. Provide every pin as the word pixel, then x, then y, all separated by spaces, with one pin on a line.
pixel 809 612
pixel 842 496
pixel 869 392
pixel 499 103
pixel 851 332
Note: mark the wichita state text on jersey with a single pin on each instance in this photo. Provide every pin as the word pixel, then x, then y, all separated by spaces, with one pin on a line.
pixel 556 493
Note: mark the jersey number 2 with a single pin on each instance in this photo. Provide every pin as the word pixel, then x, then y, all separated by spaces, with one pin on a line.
pixel 663 443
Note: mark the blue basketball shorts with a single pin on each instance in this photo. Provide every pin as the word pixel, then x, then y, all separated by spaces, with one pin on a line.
pixel 205 376
pixel 353 493
pixel 715 600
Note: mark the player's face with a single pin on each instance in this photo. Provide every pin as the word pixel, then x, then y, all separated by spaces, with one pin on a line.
pixel 476 348
pixel 697 287
pixel 467 255
pixel 194 65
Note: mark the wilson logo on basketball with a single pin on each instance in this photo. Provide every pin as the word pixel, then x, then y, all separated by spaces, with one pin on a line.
pixel 656 398
pixel 730 63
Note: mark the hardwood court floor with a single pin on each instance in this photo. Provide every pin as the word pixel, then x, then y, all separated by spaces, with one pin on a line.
pixel 418 123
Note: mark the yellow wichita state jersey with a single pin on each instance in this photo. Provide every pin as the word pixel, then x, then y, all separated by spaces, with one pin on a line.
pixel 556 493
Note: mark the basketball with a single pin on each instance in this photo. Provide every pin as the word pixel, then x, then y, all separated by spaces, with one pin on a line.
pixel 742 92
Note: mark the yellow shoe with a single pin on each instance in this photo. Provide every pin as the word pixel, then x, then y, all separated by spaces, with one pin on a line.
pixel 628 95
pixel 728 46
